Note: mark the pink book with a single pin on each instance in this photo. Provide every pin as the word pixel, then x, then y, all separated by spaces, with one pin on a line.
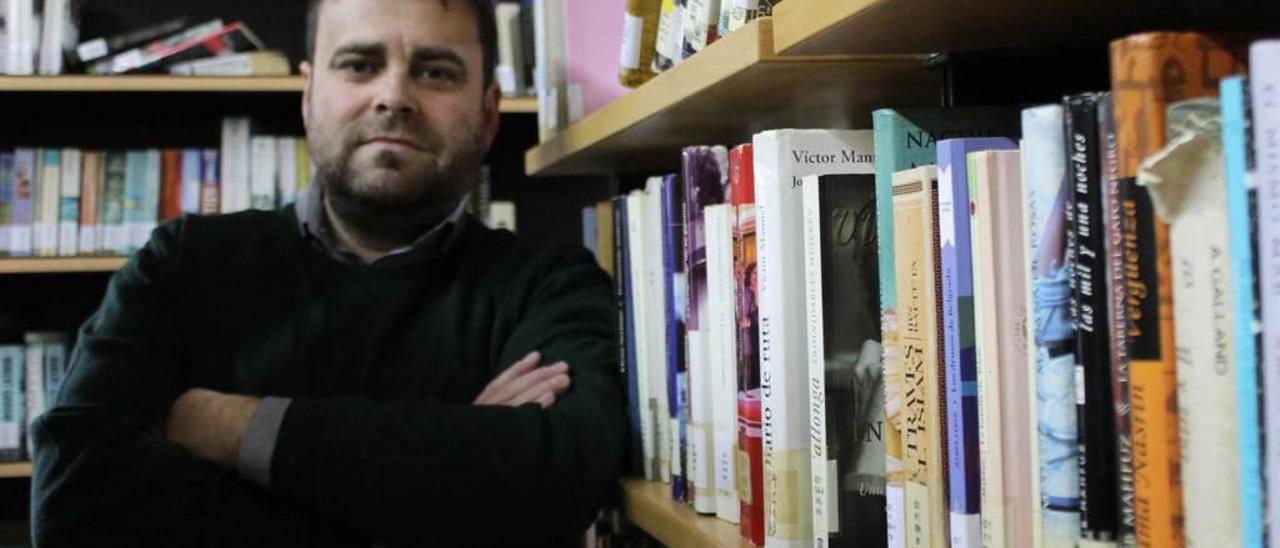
pixel 592 54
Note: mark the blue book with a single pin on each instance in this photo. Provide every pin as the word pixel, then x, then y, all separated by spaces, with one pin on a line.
pixel 135 197
pixel 13 406
pixel 190 201
pixel 6 200
pixel 959 354
pixel 627 331
pixel 674 298
pixel 21 226
pixel 1241 228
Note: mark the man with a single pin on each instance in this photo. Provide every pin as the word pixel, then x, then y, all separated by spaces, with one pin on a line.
pixel 335 373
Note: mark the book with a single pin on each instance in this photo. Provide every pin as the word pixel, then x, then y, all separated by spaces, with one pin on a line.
pixel 845 374
pixel 1188 191
pixel 995 203
pixel 90 191
pixel 627 334
pixel 1264 98
pixel 287 170
pixel 171 174
pixel 670 35
pixel 502 216
pixel 121 61
pixel 549 75
pixel 210 186
pixel 701 25
pixel 252 63
pixel 722 356
pixel 97 48
pixel 47 202
pixel 61 32
pixel 782 158
pixel 13 409
pixel 235 158
pixel 264 172
pixel 189 181
pixel 69 202
pixel 7 198
pixel 1141 92
pixel 24 195
pixel 509 71
pixel 959 364
pixel 231 38
pixel 606 244
pixel 656 334
pixel 23 37
pixel 111 204
pixel 1046 200
pixel 674 291
pixel 745 268
pixel 705 177
pixel 746 11
pixel 45 359
pixel 640 302
pixel 1100 518
pixel 639 38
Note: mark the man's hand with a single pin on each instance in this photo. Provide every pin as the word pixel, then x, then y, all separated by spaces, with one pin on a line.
pixel 210 424
pixel 525 382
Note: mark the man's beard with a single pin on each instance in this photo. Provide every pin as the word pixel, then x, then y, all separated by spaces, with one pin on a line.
pixel 400 217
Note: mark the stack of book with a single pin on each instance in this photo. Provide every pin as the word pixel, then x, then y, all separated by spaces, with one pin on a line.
pixel 30 376
pixel 972 326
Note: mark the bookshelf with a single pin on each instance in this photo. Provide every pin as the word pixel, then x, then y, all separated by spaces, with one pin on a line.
pixel 187 84
pixel 734 88
pixel 648 505
pixel 61 265
pixel 15 470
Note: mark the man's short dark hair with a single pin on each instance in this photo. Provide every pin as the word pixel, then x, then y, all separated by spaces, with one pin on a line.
pixel 486 28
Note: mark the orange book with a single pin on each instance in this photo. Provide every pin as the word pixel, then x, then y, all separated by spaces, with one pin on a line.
pixel 171 184
pixel 1149 72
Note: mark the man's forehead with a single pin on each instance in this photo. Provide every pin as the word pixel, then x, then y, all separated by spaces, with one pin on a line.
pixel 412 23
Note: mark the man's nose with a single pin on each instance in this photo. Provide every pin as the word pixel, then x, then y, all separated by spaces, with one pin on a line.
pixel 394 94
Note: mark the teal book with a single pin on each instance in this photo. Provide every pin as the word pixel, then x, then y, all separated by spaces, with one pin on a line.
pixel 1241 228
pixel 135 196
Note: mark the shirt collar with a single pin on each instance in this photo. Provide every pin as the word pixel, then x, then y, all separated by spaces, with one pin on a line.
pixel 314 227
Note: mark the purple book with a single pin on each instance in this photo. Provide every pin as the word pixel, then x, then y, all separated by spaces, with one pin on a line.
pixel 959 359
pixel 24 192
pixel 706 182
pixel 677 373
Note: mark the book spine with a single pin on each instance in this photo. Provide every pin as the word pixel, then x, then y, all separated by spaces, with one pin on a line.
pixel 750 430
pixel 189 185
pixel 24 192
pixel 210 186
pixel 90 185
pixel 638 287
pixel 669 39
pixel 1241 220
pixel 171 175
pixel 148 216
pixel 699 26
pixel 49 190
pixel 34 389
pixel 287 175
pixel 657 282
pixel 69 203
pixel 986 353
pixel 235 165
pixel 112 204
pixel 626 334
pixel 1185 181
pixel 1095 418
pixel 7 184
pixel 263 173
pixel 722 357
pixel 826 516
pixel 1264 96
pixel 674 295
pixel 12 403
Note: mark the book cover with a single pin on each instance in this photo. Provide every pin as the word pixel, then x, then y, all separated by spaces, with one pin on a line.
pixel 210 185
pixel 1188 191
pixel 111 207
pixel 24 195
pixel 1046 200
pixel 640 302
pixel 745 268
pixel 845 374
pixel 7 198
pixel 995 205
pixel 13 408
pixel 253 63
pixel 722 357
pixel 639 38
pixel 171 173
pixel 90 187
pixel 705 177
pixel 69 202
pixel 674 288
pixel 959 365
pixel 48 196
pixel 1264 99
pixel 782 158
pixel 1141 92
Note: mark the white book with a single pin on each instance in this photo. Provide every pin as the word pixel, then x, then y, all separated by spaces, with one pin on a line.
pixel 149 216
pixel 13 410
pixel 20 27
pixel 264 172
pixel 34 377
pixel 510 69
pixel 722 357
pixel 549 71
pixel 251 63
pixel 190 189
pixel 5 29
pixel 656 281
pixel 57 32
pixel 1188 190
pixel 287 170
pixel 1264 91
pixel 782 158
pixel 502 215
pixel 700 17
pixel 641 302
pixel 69 203
pixel 49 190
pixel 235 167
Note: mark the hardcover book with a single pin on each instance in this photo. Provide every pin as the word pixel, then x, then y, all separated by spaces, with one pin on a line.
pixel 845 374
pixel 745 268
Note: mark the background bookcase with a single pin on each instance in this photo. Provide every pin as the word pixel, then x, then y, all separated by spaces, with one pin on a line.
pixel 828 63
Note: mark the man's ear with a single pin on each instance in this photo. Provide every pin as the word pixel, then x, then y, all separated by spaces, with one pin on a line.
pixel 304 68
pixel 492 113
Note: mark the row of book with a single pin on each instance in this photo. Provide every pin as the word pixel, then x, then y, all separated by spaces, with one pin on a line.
pixel 589 52
pixel 972 326
pixel 42 37
pixel 30 376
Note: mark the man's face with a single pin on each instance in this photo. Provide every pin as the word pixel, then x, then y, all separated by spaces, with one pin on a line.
pixel 397 114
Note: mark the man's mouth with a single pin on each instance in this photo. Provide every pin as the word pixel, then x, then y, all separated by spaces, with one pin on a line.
pixel 396 142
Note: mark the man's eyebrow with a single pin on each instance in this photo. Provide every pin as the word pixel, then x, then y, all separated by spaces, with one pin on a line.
pixel 365 49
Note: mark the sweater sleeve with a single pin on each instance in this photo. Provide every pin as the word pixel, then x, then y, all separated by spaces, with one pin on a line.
pixel 103 471
pixel 412 471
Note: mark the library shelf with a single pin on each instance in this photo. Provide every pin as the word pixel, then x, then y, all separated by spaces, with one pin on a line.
pixel 648 505
pixel 15 470
pixel 186 84
pixel 54 265
pixel 732 89
pixel 818 27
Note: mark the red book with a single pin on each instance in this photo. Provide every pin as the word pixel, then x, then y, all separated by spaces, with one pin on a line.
pixel 750 439
pixel 170 184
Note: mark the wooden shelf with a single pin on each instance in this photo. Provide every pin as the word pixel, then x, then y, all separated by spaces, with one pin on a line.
pixel 815 27
pixel 15 470
pixel 185 84
pixel 732 89
pixel 649 506
pixel 62 264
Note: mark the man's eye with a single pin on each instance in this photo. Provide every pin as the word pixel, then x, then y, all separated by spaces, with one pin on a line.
pixel 358 68
pixel 438 74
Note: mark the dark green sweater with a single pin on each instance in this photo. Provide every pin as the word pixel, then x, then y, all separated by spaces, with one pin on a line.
pixel 381 442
